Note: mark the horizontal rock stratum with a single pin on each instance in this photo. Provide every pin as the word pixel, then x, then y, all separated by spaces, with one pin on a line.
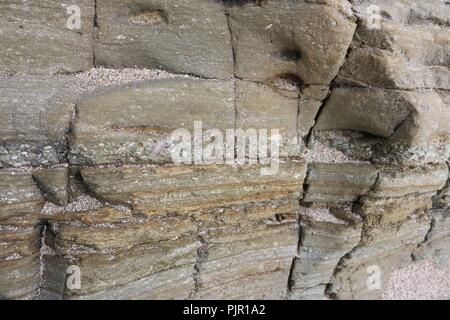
pixel 94 206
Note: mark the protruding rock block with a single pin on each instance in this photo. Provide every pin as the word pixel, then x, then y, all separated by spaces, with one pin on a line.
pixel 367 67
pixel 20 205
pixel 399 44
pixel 322 245
pixel 338 183
pixel 53 182
pixel 35 113
pixel 413 127
pixel 397 182
pixel 163 190
pixel 134 124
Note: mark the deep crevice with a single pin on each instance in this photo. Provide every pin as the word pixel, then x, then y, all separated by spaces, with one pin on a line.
pixel 94 28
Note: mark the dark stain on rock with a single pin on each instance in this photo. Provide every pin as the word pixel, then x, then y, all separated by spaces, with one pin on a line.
pixel 287 55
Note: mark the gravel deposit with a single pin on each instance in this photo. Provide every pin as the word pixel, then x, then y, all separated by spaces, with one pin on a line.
pixel 103 77
pixel 320 214
pixel 422 280
pixel 324 154
pixel 82 203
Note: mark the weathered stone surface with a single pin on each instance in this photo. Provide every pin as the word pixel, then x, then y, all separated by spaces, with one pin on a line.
pixel 134 124
pixel 442 199
pixel 35 113
pixel 36 38
pixel 53 182
pixel 88 180
pixel 189 36
pixel 162 190
pixel 413 127
pixel 247 261
pixel 396 182
pixel 322 245
pixel 437 239
pixel 384 248
pixel 259 107
pixel 287 39
pixel 151 256
pixel 337 183
pixel 406 50
pixel 19 194
pixel 381 68
pixel 20 205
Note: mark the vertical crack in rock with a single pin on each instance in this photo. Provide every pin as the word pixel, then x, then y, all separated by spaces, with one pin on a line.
pixel 341 262
pixel 94 28
pixel 310 136
pixel 299 244
pixel 200 252
pixel 233 53
pixel 43 234
pixel 291 270
pixel 426 238
pixel 432 225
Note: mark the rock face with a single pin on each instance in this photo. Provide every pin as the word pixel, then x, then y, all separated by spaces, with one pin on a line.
pixel 36 112
pixel 322 245
pixel 188 36
pixel 46 37
pixel 291 39
pixel 134 124
pixel 160 184
pixel 399 60
pixel 21 203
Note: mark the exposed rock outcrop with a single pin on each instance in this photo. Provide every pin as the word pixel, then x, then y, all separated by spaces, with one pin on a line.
pixel 93 204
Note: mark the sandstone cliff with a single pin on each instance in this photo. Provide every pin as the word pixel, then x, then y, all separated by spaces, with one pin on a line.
pixel 360 97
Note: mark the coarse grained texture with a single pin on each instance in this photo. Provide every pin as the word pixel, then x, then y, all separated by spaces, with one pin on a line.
pixel 91 117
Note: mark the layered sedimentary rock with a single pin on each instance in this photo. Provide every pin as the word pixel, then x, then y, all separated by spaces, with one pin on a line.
pixel 35 115
pixel 226 236
pixel 322 244
pixel 436 240
pixel 154 256
pixel 135 124
pixel 338 183
pixel 398 60
pixel 396 219
pixel 95 205
pixel 20 205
